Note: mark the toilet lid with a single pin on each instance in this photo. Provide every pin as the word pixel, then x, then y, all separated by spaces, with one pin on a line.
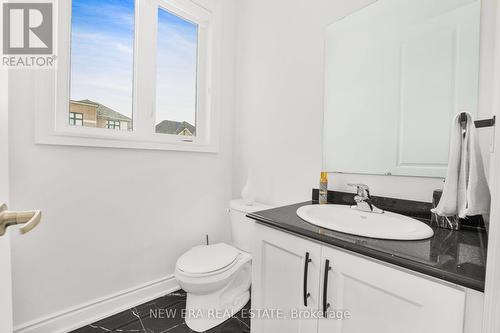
pixel 207 258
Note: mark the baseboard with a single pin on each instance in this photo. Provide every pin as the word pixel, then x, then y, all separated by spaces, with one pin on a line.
pixel 87 313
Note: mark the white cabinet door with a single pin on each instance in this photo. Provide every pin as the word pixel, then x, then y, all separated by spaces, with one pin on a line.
pixel 382 299
pixel 278 281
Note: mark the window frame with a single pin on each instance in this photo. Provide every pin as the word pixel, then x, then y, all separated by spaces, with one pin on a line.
pixel 52 125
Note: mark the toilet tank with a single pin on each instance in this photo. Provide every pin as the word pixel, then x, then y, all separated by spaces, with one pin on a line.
pixel 242 228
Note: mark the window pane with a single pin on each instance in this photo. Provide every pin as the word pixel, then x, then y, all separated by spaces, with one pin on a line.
pixel 102 44
pixel 176 75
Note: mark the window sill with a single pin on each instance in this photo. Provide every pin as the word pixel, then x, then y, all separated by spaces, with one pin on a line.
pixel 71 140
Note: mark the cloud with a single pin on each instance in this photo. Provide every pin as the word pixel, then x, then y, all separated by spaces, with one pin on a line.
pixel 124 48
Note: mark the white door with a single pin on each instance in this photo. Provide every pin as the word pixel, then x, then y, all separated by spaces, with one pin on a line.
pixel 283 280
pixel 382 299
pixel 5 285
pixel 24 221
pixel 5 271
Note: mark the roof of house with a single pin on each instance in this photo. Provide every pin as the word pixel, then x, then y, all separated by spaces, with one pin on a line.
pixel 174 127
pixel 105 112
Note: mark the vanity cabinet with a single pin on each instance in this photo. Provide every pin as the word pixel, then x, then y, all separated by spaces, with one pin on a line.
pixel 377 297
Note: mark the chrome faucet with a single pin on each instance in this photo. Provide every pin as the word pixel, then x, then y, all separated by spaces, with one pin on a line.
pixel 364 200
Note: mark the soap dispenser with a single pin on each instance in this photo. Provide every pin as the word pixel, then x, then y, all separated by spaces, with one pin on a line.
pixel 323 188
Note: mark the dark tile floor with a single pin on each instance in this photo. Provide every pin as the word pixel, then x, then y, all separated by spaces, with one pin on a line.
pixel 141 319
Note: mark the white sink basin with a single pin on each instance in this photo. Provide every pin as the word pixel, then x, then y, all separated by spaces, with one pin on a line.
pixel 352 221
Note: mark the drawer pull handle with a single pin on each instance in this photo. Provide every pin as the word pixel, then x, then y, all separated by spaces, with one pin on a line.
pixel 326 305
pixel 306 269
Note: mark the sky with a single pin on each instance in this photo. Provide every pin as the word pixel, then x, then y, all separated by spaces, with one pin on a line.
pixel 102 58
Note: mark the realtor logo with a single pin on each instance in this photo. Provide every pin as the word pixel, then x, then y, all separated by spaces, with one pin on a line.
pixel 28 35
pixel 27 28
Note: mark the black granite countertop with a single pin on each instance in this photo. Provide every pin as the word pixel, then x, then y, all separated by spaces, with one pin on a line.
pixel 455 256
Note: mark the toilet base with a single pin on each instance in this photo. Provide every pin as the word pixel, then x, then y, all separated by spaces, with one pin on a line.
pixel 205 311
pixel 202 319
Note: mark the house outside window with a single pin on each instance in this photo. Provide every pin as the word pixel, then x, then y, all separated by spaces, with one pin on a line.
pixel 95 114
pixel 176 128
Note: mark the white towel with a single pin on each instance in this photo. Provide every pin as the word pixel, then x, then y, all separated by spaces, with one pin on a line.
pixel 466 191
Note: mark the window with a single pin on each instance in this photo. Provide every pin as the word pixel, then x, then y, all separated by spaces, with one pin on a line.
pixel 146 69
pixel 113 124
pixel 102 43
pixel 76 119
pixel 176 73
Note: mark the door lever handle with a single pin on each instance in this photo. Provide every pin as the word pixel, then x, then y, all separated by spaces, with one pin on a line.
pixel 28 219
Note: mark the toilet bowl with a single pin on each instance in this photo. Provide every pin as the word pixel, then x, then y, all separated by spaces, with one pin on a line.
pixel 218 290
pixel 217 277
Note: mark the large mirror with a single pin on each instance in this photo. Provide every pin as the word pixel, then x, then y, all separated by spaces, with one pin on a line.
pixel 397 72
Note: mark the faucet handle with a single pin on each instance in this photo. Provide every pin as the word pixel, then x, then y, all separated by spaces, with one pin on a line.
pixel 362 189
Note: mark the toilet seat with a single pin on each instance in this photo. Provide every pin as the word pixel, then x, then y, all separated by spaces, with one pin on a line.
pixel 208 259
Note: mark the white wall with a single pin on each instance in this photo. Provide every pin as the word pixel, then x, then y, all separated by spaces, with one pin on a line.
pixel 113 219
pixel 279 105
pixel 486 77
pixel 101 234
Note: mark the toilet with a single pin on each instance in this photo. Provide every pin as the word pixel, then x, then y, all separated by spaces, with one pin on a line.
pixel 217 277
